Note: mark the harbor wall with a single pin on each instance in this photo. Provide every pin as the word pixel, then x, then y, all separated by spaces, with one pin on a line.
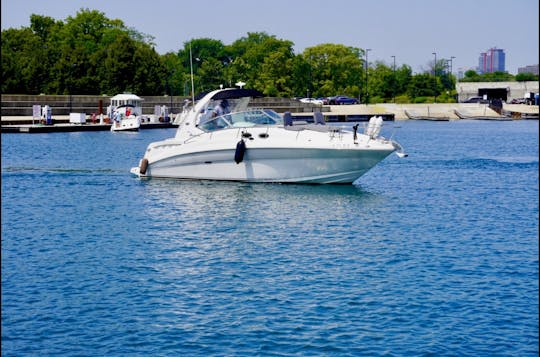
pixel 19 107
pixel 431 110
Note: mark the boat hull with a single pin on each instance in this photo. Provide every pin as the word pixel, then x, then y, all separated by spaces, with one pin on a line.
pixel 127 124
pixel 302 165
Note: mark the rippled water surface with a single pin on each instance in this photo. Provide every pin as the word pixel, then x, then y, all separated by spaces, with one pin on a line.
pixel 435 254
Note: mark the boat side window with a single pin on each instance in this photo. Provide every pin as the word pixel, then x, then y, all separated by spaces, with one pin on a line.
pixel 241 120
pixel 258 117
pixel 216 123
pixel 277 118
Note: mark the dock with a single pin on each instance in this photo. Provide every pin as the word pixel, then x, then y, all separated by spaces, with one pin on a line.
pixel 29 125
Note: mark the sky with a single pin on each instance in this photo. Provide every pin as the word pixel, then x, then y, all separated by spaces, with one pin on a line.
pixel 410 30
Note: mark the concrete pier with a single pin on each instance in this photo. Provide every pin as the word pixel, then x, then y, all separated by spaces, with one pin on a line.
pixel 440 111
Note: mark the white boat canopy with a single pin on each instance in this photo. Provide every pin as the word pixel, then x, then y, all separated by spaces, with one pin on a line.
pixel 125 99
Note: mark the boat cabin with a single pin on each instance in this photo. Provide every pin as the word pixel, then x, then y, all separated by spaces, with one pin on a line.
pixel 126 104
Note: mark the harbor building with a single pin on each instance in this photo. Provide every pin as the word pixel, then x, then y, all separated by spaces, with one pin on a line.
pixel 529 69
pixel 505 91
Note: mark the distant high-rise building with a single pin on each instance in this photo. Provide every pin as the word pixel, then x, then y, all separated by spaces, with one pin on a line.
pixel 491 61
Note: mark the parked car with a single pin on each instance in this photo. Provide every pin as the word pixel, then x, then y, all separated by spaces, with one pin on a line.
pixel 476 100
pixel 342 99
pixel 312 100
pixel 518 101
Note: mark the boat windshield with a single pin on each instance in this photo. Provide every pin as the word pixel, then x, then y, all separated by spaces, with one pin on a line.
pixel 243 119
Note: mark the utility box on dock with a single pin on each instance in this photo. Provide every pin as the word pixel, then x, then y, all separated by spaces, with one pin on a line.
pixel 77 118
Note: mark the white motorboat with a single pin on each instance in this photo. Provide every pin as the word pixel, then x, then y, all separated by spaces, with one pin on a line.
pixel 126 112
pixel 259 145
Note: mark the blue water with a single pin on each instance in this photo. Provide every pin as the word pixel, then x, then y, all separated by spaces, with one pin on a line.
pixel 435 254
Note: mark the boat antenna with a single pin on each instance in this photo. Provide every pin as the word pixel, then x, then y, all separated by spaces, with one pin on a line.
pixel 192 85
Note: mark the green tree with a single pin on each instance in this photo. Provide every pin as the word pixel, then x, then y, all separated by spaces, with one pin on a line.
pixel 20 60
pixel 247 62
pixel 381 81
pixel 115 72
pixel 472 76
pixel 523 77
pixel 89 53
pixel 276 74
pixel 403 78
pixel 176 74
pixel 209 58
pixel 334 69
pixel 149 77
pixel 423 85
pixel 301 77
pixel 497 77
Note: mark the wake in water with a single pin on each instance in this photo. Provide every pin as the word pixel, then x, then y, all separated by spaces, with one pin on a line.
pixel 513 159
pixel 15 170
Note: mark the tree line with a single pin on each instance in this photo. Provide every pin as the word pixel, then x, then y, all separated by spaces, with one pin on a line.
pixel 91 54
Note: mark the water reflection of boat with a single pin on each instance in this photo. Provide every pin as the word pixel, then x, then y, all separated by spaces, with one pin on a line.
pixel 126 112
pixel 259 145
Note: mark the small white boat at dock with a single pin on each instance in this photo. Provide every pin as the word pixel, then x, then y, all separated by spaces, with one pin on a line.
pixel 125 112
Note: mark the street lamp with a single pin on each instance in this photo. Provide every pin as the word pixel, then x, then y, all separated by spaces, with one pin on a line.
pixel 367 65
pixel 435 64
pixel 435 74
pixel 170 84
pixel 394 84
pixel 70 85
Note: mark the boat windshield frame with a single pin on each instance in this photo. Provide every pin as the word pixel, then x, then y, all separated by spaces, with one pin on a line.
pixel 242 119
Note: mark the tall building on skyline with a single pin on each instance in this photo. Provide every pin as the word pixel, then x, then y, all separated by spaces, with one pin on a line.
pixel 493 60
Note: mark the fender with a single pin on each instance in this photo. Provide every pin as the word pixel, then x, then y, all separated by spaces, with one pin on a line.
pixel 240 150
pixel 143 166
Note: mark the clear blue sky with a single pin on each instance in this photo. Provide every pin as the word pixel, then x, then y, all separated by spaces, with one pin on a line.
pixel 411 30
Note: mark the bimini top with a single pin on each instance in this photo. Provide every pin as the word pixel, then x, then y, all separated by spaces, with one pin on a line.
pixel 126 97
pixel 232 93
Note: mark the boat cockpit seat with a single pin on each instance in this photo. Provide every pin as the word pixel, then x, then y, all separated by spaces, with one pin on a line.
pixel 318 118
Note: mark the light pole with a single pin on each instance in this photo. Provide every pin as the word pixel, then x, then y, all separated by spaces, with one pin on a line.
pixel 394 84
pixel 435 74
pixel 171 85
pixel 70 85
pixel 367 65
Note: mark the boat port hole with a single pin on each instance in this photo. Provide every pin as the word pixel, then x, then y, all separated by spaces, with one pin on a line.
pixel 246 135
pixel 263 135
